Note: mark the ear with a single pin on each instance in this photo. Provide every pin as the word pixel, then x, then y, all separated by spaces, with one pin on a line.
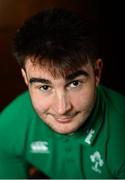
pixel 98 70
pixel 23 72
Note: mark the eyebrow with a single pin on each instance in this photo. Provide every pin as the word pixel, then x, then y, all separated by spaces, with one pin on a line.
pixel 39 80
pixel 67 78
pixel 76 74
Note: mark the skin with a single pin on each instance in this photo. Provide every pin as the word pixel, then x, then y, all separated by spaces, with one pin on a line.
pixel 64 104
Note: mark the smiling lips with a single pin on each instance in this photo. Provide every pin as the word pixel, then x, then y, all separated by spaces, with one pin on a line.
pixel 65 119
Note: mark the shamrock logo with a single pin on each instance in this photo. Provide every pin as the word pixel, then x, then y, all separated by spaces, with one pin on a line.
pixel 98 162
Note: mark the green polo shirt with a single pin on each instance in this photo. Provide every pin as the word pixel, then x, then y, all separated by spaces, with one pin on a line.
pixel 95 151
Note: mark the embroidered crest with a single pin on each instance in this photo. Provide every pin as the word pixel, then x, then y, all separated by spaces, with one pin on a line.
pixel 98 162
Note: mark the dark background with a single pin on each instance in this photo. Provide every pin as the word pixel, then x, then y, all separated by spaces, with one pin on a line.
pixel 109 17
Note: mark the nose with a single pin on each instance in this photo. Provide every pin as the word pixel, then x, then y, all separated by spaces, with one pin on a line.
pixel 63 104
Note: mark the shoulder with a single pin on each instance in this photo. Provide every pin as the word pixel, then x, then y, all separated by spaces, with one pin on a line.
pixel 14 122
pixel 115 120
pixel 114 101
pixel 114 114
pixel 114 107
pixel 19 106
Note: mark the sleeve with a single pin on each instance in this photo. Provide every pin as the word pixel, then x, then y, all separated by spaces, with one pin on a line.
pixel 12 169
pixel 12 137
pixel 116 147
pixel 11 166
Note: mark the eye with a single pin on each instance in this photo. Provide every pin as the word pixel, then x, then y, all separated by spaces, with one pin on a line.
pixel 45 88
pixel 75 83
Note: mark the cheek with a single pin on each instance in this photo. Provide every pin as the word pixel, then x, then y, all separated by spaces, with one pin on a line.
pixel 85 99
pixel 39 103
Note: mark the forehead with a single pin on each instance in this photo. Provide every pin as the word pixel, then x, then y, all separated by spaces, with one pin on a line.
pixel 44 70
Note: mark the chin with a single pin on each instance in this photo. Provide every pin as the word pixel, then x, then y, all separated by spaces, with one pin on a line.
pixel 65 130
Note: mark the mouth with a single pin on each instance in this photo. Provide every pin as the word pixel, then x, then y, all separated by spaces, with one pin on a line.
pixel 65 119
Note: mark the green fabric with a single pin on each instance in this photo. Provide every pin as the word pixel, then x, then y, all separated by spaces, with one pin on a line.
pixel 96 151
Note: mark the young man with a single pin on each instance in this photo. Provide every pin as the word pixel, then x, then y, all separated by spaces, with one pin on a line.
pixel 66 125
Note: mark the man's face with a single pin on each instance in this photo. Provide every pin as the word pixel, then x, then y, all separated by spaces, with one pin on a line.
pixel 64 104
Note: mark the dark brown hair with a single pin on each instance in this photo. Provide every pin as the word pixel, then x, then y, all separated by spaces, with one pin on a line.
pixel 57 39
